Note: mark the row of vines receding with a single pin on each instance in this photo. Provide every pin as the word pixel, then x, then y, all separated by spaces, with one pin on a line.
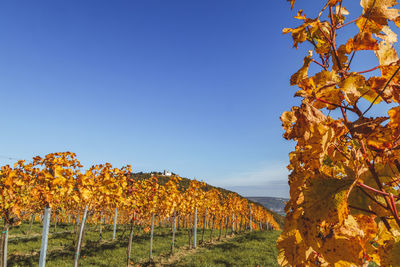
pixel 57 186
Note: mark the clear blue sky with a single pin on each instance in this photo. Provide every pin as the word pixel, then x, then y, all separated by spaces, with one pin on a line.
pixel 196 87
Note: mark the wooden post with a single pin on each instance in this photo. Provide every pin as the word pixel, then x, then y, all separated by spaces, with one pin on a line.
pixel 226 225
pixel 173 234
pixel 4 244
pixel 55 224
pixel 251 221
pixel 130 242
pixel 45 236
pixel 115 224
pixel 233 223
pixel 204 226
pixel 77 219
pixel 195 229
pixel 31 223
pixel 190 231
pixel 151 236
pixel 101 226
pixel 220 229
pixel 80 237
pixel 211 227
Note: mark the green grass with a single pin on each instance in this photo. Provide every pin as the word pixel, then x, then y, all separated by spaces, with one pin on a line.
pixel 249 249
pixel 23 249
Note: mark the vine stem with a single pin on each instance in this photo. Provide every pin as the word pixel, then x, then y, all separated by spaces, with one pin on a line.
pixel 333 104
pixel 376 190
pixel 393 205
pixel 365 24
pixel 364 151
pixel 323 66
pixel 347 23
pixel 341 152
pixel 381 92
pixel 387 198
pixel 365 71
pixel 372 198
pixel 333 39
pixel 365 210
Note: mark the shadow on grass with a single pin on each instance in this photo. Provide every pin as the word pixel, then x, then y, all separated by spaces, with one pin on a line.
pixel 36 238
pixel 91 248
pixel 33 259
pixel 224 246
pixel 250 237
pixel 224 262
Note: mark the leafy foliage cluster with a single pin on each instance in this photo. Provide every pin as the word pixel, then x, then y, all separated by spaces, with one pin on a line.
pixel 345 169
pixel 184 184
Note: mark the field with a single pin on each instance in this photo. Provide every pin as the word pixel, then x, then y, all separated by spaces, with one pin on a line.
pixel 249 249
pixel 244 249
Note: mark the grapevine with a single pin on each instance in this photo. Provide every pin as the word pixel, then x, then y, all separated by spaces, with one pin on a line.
pixel 57 182
pixel 345 169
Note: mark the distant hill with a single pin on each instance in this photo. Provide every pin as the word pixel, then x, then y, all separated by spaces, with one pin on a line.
pixel 276 204
pixel 185 184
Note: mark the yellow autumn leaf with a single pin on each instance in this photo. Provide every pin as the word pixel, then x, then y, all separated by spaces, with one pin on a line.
pixel 302 73
pixel 394 124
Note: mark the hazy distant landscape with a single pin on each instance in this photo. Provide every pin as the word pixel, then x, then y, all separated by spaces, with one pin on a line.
pixel 276 204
